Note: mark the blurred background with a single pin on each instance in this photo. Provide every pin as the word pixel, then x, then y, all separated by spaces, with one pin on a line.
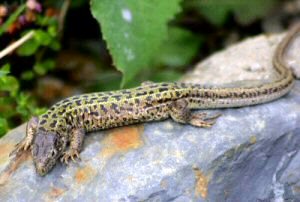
pixel 50 49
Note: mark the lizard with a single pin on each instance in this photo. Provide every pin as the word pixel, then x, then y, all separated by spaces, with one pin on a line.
pixel 59 132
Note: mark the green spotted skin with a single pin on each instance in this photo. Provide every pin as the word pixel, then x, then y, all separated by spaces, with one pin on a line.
pixel 111 109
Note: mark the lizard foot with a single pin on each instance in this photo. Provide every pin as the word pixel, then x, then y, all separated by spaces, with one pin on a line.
pixel 203 120
pixel 24 145
pixel 70 154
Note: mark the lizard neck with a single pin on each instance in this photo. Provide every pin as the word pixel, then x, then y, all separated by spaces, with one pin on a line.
pixel 50 121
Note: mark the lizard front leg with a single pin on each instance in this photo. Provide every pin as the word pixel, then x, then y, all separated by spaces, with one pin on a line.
pixel 180 112
pixel 26 142
pixel 77 137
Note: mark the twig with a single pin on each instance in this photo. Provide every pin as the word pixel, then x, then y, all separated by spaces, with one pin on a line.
pixel 16 44
pixel 62 16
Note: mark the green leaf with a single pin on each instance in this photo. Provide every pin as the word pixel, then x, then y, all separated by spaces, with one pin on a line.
pixel 107 80
pixel 49 64
pixel 248 11
pixel 52 30
pixel 28 48
pixel 6 100
pixel 7 105
pixel 179 49
pixel 245 11
pixel 54 45
pixel 12 18
pixel 78 3
pixel 4 70
pixel 44 20
pixel 166 75
pixel 42 37
pixel 27 75
pixel 41 68
pixel 22 111
pixel 3 126
pixel 22 104
pixel 22 99
pixel 133 30
pixel 215 11
pixel 9 83
pixel 38 111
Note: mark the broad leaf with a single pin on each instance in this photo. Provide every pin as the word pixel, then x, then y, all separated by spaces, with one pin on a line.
pixel 28 48
pixel 4 70
pixel 133 30
pixel 245 11
pixel 179 49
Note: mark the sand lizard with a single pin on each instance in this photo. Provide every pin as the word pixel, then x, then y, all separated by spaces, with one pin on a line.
pixel 59 133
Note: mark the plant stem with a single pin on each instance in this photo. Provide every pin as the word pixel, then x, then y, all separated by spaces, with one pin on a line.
pixel 16 44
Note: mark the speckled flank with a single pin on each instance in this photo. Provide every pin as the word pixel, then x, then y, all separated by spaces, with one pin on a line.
pixel 111 109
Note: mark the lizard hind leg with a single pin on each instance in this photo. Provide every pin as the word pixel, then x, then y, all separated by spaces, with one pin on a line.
pixel 180 112
pixel 26 142
pixel 76 142
pixel 201 119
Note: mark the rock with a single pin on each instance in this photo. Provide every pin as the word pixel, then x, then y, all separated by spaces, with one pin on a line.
pixel 250 154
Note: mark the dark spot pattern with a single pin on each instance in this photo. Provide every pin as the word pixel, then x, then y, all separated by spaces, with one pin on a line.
pixel 104 109
pixel 53 124
pixel 78 102
pixel 42 122
pixel 141 93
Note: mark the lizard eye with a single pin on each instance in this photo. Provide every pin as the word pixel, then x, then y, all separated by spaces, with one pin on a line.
pixel 54 152
pixel 56 143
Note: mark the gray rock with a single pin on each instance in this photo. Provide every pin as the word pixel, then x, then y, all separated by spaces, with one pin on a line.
pixel 250 154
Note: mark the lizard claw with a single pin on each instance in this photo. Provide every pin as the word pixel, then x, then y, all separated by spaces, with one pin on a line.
pixel 71 154
pixel 203 120
pixel 23 145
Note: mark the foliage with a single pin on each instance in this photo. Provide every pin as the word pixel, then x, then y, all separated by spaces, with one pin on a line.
pixel 133 30
pixel 15 103
pixel 245 11
pixel 179 49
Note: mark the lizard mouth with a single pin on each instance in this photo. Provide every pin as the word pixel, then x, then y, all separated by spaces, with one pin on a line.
pixel 41 169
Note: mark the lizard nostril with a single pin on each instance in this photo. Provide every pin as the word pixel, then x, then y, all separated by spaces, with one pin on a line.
pixel 41 169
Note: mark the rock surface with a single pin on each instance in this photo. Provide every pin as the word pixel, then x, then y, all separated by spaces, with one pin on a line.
pixel 250 154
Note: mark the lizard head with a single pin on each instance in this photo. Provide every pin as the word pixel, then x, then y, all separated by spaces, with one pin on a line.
pixel 47 148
